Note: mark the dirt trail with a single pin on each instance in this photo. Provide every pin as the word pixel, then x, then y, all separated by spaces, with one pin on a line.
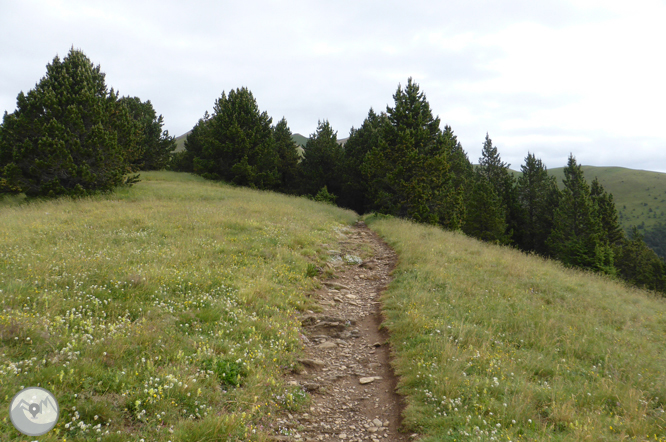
pixel 346 364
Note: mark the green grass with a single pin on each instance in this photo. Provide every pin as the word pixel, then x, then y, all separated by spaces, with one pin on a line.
pixel 640 195
pixel 165 311
pixel 493 344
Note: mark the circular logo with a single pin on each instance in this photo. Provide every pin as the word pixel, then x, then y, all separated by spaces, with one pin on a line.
pixel 34 411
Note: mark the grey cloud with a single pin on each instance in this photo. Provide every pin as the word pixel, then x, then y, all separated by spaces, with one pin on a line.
pixel 181 56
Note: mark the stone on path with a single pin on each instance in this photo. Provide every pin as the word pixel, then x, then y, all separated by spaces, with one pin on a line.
pixel 312 362
pixel 369 379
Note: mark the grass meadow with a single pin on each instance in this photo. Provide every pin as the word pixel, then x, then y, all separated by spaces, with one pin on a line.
pixel 493 344
pixel 161 312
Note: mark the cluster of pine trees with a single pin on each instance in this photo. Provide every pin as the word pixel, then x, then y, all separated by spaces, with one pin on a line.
pixel 401 163
pixel 71 135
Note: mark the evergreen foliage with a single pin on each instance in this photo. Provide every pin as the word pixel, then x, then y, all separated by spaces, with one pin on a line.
pixel 408 172
pixel 655 238
pixel 538 197
pixel 485 213
pixel 611 232
pixel 69 135
pixel 155 145
pixel 198 137
pixel 576 238
pixel 463 181
pixel 360 142
pixel 638 264
pixel 236 143
pixel 500 178
pixel 322 159
pixel 288 157
pixel 324 196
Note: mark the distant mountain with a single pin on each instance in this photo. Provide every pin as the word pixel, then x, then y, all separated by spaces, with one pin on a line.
pixel 299 139
pixel 180 142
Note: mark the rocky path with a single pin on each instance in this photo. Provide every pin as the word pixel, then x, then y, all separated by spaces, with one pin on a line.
pixel 346 364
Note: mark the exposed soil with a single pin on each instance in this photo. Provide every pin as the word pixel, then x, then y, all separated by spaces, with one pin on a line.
pixel 346 367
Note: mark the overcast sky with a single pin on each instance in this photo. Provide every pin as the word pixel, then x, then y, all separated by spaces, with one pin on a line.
pixel 586 77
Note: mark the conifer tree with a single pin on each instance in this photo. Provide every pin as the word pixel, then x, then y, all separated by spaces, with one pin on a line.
pixel 463 181
pixel 500 177
pixel 655 238
pixel 288 157
pixel 156 146
pixel 538 197
pixel 576 236
pixel 611 232
pixel 408 172
pixel 237 143
pixel 638 264
pixel 485 219
pixel 360 142
pixel 322 159
pixel 189 160
pixel 68 135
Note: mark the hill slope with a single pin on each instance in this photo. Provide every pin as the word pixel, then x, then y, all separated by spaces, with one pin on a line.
pixel 180 142
pixel 168 307
pixel 493 344
pixel 299 139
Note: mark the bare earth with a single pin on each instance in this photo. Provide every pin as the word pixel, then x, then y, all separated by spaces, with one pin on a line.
pixel 346 365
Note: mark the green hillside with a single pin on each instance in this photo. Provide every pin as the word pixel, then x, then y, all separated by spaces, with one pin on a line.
pixel 167 311
pixel 164 311
pixel 640 195
pixel 180 142
pixel 494 344
pixel 299 139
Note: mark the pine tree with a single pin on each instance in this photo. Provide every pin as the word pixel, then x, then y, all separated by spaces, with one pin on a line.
pixel 463 181
pixel 156 146
pixel 68 135
pixel 322 160
pixel 611 232
pixel 189 160
pixel 638 264
pixel 500 177
pixel 538 197
pixel 236 144
pixel 288 157
pixel 485 219
pixel 408 172
pixel 576 236
pixel 360 142
pixel 655 238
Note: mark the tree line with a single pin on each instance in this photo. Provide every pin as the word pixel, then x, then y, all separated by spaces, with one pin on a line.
pixel 401 163
pixel 72 136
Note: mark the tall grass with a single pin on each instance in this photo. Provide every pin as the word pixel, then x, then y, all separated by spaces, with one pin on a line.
pixel 492 344
pixel 165 311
